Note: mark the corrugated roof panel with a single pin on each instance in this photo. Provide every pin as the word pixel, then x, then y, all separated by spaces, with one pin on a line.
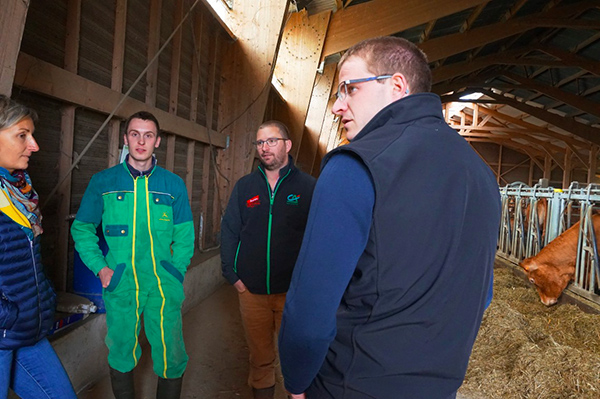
pixel 450 24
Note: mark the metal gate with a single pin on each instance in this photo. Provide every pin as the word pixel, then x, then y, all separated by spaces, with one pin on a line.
pixel 525 229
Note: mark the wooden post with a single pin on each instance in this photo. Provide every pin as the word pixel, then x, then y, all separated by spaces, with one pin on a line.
pixel 153 46
pixel 298 59
pixel 59 271
pixel 567 168
pixel 530 178
pixel 329 130
pixel 170 161
pixel 247 63
pixel 475 121
pixel 116 84
pixel 204 200
pixel 176 59
pixel 313 129
pixel 591 175
pixel 196 59
pixel 547 167
pixel 13 14
pixel 189 168
pixel 499 170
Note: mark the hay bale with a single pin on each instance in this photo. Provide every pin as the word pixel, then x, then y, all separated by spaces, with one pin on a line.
pixel 527 350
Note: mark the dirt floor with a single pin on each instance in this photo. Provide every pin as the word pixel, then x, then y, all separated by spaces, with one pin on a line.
pixel 218 365
pixel 524 350
pixel 527 350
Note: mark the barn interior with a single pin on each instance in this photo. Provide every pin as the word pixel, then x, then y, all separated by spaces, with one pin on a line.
pixel 519 80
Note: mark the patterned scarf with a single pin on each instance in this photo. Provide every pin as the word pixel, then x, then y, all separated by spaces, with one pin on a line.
pixel 17 186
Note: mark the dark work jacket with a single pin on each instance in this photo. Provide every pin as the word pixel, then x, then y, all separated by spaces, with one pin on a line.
pixel 26 297
pixel 410 314
pixel 262 231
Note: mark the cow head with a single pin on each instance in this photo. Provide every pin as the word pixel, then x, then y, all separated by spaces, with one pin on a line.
pixel 549 281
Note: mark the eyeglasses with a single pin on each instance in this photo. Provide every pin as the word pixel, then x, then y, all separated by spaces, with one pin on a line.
pixel 342 92
pixel 270 142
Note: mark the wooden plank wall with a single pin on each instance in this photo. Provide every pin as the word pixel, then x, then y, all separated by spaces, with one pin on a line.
pixel 246 75
pixel 73 78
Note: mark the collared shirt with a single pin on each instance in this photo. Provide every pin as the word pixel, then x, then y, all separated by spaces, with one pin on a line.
pixel 136 173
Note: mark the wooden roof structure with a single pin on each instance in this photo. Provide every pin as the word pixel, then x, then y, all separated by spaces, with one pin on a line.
pixel 534 64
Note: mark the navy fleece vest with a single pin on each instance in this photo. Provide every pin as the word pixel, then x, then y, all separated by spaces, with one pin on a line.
pixel 411 312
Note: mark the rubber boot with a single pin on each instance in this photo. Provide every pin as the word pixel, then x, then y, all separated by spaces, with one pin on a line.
pixel 122 384
pixel 169 388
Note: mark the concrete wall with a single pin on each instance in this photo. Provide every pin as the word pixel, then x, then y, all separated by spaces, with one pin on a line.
pixel 82 350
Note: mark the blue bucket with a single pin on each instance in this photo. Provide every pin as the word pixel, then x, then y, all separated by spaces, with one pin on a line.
pixel 85 282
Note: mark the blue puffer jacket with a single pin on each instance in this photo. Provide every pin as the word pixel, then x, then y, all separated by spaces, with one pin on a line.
pixel 26 298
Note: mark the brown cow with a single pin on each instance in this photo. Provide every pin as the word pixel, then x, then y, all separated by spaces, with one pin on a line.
pixel 541 208
pixel 554 267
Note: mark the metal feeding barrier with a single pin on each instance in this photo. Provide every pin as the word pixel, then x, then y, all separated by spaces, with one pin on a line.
pixel 534 216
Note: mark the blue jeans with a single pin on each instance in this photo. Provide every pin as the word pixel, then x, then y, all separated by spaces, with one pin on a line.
pixel 34 372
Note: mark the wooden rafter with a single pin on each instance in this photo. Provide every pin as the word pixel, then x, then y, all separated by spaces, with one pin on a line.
pixel 385 17
pixel 533 128
pixel 570 125
pixel 471 19
pixel 449 45
pixel 425 35
pixel 573 100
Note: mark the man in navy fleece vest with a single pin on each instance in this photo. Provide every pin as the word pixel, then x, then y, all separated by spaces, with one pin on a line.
pixel 394 271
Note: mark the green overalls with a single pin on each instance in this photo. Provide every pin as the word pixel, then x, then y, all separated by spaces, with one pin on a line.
pixel 147 224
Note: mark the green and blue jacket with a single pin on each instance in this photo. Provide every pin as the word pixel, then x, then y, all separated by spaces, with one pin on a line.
pixel 146 221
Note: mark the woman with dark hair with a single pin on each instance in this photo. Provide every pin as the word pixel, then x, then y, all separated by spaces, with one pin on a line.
pixel 28 363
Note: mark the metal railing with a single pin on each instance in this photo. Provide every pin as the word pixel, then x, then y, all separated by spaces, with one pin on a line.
pixel 534 216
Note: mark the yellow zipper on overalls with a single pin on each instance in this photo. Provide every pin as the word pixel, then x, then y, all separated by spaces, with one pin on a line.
pixel 137 285
pixel 162 294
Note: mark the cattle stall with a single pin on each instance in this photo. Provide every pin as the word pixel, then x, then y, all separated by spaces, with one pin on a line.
pixel 534 216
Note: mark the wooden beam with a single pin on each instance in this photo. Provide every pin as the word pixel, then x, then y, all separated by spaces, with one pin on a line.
pixel 42 77
pixel 547 167
pixel 197 26
pixel 153 47
pixel 533 156
pixel 567 169
pixel 564 23
pixel 329 130
pixel 315 117
pixel 213 53
pixel 189 168
pixel 504 58
pixel 116 84
pixel 67 133
pixel 534 128
pixel 570 125
pixel 13 14
pixel 523 162
pixel 385 17
pixel 296 66
pixel 245 79
pixel 498 172
pixel 472 18
pixel 170 161
pixel 228 19
pixel 590 107
pixel 175 58
pixel 593 164
pixel 450 45
pixel 206 161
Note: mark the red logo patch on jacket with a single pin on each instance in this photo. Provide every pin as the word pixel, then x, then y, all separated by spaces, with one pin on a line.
pixel 252 202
